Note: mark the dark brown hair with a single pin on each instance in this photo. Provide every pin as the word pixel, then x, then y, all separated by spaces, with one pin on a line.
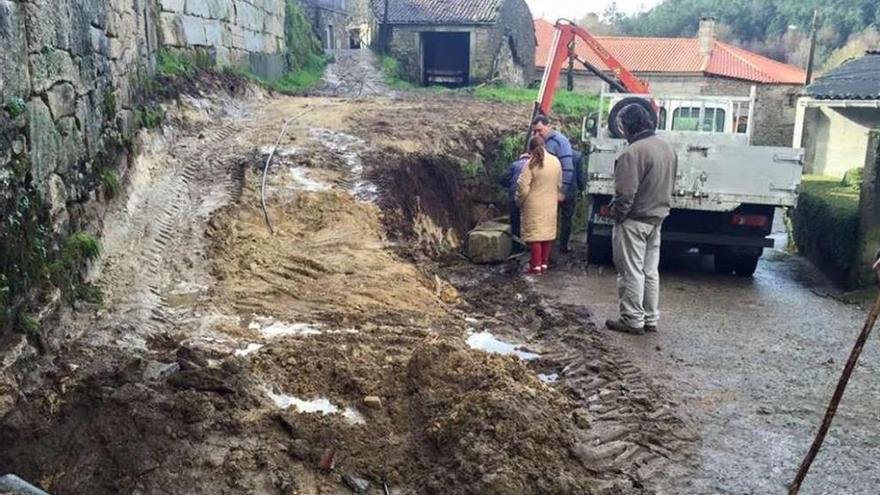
pixel 536 150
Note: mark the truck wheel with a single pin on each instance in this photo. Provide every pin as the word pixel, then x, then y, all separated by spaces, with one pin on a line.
pixel 745 266
pixel 599 253
pixel 723 264
pixel 613 124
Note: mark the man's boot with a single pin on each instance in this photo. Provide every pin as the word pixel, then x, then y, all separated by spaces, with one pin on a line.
pixel 619 326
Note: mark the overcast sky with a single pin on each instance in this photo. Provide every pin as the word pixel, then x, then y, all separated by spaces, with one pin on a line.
pixel 554 9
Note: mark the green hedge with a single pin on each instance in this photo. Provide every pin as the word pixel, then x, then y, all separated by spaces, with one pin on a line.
pixel 826 225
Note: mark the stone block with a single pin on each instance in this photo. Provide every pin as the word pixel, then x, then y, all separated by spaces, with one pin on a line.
pixel 248 16
pixel 99 41
pixel 490 243
pixel 56 197
pixel 213 32
pixel 253 41
pixel 62 100
pixel 45 140
pixel 220 10
pixel 90 113
pixel 274 25
pixel 51 67
pixel 236 34
pixel 170 29
pixel 175 6
pixel 198 8
pixel 14 76
pixel 49 24
pixel 193 30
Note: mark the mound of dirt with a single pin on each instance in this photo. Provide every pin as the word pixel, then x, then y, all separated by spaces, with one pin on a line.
pixel 327 263
pixel 490 426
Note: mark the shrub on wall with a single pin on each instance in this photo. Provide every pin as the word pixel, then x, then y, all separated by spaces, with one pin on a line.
pixel 826 225
pixel 303 47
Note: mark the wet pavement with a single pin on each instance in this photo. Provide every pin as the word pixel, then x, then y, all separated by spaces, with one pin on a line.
pixel 753 362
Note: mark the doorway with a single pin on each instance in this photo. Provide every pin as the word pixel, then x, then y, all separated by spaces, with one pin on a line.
pixel 446 59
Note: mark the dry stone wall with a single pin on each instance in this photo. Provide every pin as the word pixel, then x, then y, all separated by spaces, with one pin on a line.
pixel 237 32
pixel 68 77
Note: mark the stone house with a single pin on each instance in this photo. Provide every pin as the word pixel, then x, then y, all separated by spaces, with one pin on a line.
pixel 460 42
pixel 330 20
pixel 836 115
pixel 701 66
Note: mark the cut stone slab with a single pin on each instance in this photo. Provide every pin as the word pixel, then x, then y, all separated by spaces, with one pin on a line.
pixel 490 242
pixel 62 100
pixel 15 81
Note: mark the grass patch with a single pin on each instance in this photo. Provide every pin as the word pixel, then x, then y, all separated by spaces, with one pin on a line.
pixel 150 117
pixel 565 104
pixel 393 74
pixel 111 184
pixel 826 224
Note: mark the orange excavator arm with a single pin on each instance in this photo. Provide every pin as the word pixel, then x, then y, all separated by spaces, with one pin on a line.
pixel 563 48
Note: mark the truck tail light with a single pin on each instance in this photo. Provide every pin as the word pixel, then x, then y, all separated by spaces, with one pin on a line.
pixel 604 211
pixel 757 221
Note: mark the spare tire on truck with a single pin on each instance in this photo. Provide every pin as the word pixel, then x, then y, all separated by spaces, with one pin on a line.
pixel 614 125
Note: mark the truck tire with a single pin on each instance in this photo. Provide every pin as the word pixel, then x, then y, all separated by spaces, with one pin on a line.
pixel 745 266
pixel 742 265
pixel 613 124
pixel 723 264
pixel 599 253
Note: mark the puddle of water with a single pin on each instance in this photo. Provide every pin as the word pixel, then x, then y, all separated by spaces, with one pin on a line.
pixel 300 175
pixel 282 151
pixel 350 148
pixel 316 406
pixel 551 378
pixel 271 328
pixel 250 349
pixel 485 341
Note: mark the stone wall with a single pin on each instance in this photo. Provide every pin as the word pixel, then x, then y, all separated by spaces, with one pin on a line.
pixel 776 106
pixel 330 20
pixel 247 33
pixel 75 65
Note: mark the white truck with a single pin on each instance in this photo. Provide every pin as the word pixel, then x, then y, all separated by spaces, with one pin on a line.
pixel 726 191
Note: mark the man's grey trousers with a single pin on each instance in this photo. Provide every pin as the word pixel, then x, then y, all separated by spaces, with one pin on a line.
pixel 637 259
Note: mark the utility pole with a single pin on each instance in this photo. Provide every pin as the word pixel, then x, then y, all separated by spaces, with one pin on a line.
pixel 813 36
pixel 384 34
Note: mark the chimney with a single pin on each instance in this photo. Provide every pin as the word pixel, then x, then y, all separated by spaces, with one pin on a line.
pixel 706 35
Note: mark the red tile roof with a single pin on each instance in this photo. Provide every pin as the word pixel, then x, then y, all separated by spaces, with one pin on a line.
pixel 678 55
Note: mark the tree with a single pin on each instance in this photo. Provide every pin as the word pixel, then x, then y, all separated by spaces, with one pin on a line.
pixel 855 46
pixel 771 27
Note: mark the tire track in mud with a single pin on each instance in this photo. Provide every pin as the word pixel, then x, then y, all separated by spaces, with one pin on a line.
pixel 629 429
pixel 205 183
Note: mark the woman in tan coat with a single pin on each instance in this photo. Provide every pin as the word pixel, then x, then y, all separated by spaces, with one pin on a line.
pixel 537 193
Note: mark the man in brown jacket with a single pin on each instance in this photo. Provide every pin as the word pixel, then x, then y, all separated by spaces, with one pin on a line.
pixel 644 178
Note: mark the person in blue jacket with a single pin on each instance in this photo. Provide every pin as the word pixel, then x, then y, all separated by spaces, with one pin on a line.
pixel 508 179
pixel 560 147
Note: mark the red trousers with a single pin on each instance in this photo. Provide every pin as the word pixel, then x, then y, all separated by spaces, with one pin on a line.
pixel 541 253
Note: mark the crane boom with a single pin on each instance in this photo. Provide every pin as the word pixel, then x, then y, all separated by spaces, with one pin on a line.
pixel 562 48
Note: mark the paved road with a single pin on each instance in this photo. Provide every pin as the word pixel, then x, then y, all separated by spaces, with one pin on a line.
pixel 754 362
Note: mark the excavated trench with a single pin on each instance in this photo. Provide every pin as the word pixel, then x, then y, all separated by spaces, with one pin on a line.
pixel 230 360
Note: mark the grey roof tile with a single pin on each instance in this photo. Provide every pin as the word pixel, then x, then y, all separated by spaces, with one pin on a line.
pixel 439 11
pixel 858 79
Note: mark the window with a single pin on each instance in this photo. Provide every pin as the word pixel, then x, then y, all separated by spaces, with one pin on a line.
pixel 687 119
pixel 661 119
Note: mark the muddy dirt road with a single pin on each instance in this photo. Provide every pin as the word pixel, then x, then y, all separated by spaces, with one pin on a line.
pixel 353 347
pixel 754 361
